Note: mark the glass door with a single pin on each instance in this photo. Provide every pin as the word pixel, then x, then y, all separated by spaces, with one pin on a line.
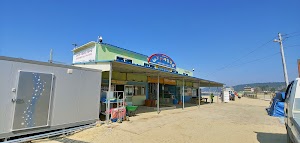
pixel 129 91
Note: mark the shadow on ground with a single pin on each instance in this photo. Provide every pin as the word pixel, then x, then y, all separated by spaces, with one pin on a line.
pixel 163 106
pixel 66 140
pixel 271 137
pixel 145 109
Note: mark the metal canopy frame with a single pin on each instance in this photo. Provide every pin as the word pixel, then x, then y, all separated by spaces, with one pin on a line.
pixel 150 72
pixel 136 69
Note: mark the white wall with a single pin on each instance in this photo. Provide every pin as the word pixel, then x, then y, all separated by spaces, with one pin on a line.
pixel 104 66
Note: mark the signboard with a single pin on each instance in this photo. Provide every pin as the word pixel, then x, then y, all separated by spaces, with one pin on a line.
pixel 86 55
pixel 118 82
pixel 162 60
pixel 161 81
pixel 154 80
pixel 169 81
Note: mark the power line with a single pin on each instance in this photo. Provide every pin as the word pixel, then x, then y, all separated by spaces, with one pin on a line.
pixel 247 54
pixel 263 58
pixel 292 46
pixel 259 59
pixel 291 33
pixel 232 64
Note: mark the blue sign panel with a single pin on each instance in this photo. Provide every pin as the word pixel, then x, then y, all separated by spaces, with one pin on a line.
pixel 162 60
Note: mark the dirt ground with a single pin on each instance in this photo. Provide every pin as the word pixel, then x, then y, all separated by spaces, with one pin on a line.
pixel 241 121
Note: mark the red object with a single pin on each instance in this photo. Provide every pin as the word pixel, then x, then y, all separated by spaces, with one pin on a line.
pixel 180 103
pixel 115 113
pixel 148 102
pixel 153 104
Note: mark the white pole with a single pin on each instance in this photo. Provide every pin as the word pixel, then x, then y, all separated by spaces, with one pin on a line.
pixel 157 94
pixel 183 94
pixel 283 59
pixel 110 76
pixel 108 95
pixel 51 56
pixel 199 93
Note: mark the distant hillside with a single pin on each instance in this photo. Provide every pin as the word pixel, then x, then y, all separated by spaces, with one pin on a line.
pixel 268 86
pixel 212 89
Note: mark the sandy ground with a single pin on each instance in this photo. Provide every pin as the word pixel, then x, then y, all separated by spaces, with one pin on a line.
pixel 241 121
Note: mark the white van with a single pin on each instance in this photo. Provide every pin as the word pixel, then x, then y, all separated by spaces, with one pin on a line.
pixel 292 111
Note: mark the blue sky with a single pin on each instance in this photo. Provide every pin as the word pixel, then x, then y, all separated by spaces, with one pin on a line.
pixel 205 35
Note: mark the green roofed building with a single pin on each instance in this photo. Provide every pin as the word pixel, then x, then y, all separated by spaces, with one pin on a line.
pixel 138 75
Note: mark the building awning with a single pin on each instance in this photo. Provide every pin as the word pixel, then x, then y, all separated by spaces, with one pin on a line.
pixel 138 69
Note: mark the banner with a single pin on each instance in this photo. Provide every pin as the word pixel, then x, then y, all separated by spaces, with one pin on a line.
pixel 162 60
pixel 86 55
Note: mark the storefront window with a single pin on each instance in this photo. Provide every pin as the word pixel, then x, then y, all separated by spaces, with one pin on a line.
pixel 194 92
pixel 143 91
pixel 139 90
pixel 187 91
pixel 129 90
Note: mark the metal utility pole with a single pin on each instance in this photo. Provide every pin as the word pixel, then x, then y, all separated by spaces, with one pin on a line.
pixel 51 55
pixel 283 59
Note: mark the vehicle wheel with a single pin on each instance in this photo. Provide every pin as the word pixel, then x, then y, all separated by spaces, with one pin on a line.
pixel 288 137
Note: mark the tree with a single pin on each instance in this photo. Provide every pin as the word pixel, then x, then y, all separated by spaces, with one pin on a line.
pixel 257 89
pixel 283 89
pixel 262 88
pixel 272 89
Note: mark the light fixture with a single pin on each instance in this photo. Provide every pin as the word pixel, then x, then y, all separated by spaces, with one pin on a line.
pixel 99 39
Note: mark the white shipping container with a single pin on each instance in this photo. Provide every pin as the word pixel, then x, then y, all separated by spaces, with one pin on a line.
pixel 38 96
pixel 226 94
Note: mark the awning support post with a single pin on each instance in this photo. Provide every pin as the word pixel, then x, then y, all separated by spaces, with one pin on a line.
pixel 182 94
pixel 199 95
pixel 157 96
pixel 108 95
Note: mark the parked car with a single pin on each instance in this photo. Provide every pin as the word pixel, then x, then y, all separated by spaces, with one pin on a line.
pixel 292 111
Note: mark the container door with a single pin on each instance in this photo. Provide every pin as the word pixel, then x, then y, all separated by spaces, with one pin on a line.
pixel 32 102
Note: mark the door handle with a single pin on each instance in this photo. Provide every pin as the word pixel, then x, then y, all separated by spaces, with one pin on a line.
pixel 14 100
pixel 18 101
